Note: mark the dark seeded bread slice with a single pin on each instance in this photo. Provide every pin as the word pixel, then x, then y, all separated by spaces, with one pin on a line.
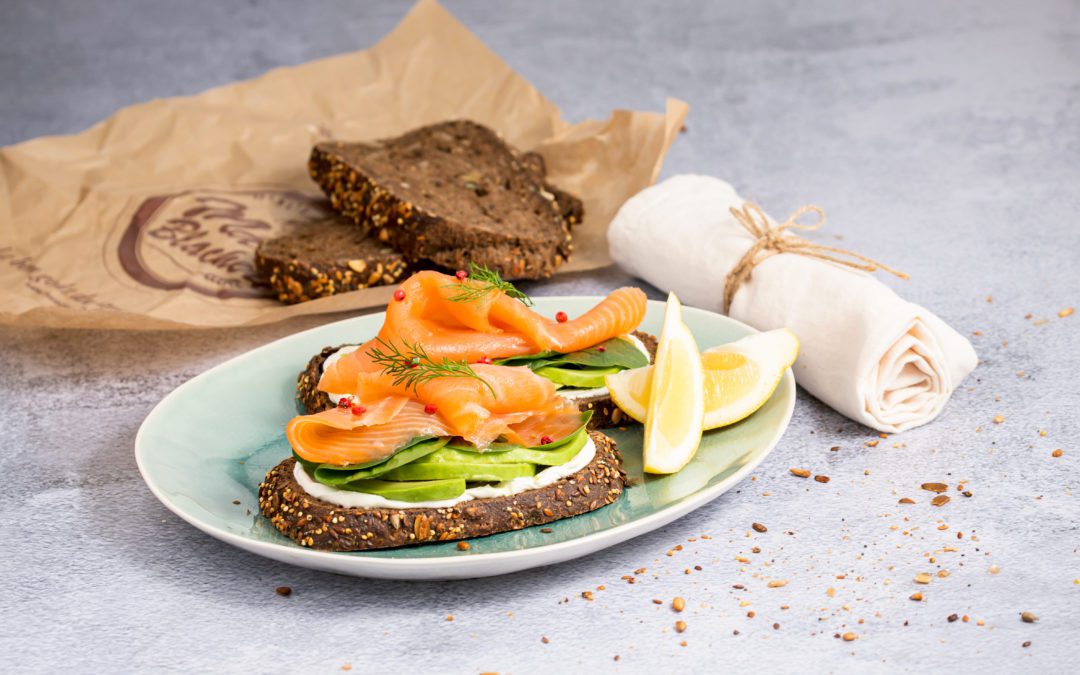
pixel 605 413
pixel 323 258
pixel 314 523
pixel 449 193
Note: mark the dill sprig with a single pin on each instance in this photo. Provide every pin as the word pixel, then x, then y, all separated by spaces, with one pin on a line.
pixel 481 281
pixel 412 366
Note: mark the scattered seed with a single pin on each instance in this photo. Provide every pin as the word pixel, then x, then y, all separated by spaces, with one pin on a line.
pixel 935 487
pixel 680 626
pixel 907 500
pixel 998 419
pixel 968 493
pixel 994 569
pixel 236 501
pixel 831 592
pixel 1068 311
pixel 657 601
pixel 587 595
pixel 1028 617
pixel 1027 643
pixel 940 500
pixel 801 473
pixel 778 583
pixel 870 444
pixel 923 578
pixel 758 527
pixel 463 546
pixel 546 530
pixel 835 448
pixel 917 597
pixel 821 479
pixel 283 591
pixel 952 618
pixel 849 636
pixel 449 617
pixel 346 666
pixel 544 639
pixel 1057 453
pixel 678 604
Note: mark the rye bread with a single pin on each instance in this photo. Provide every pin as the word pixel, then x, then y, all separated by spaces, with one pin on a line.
pixel 605 413
pixel 318 524
pixel 449 194
pixel 323 258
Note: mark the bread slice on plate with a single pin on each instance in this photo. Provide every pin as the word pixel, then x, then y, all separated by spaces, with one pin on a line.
pixel 450 194
pixel 318 524
pixel 326 257
pixel 605 413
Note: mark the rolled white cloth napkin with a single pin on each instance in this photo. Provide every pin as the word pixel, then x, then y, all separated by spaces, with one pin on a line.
pixel 865 351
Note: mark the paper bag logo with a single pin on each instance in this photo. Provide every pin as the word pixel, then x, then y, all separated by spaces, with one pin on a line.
pixel 204 240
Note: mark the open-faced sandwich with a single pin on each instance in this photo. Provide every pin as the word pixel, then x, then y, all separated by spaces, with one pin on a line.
pixel 450 422
pixel 578 367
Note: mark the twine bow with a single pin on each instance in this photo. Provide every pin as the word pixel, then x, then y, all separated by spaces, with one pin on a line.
pixel 770 240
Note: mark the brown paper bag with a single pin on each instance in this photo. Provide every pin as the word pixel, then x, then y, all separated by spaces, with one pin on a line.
pixel 150 218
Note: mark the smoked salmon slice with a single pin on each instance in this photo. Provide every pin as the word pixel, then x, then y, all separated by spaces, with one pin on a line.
pixel 490 324
pixel 619 313
pixel 478 410
pixel 506 402
pixel 337 436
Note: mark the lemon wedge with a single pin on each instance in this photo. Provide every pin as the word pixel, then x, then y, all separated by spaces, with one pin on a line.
pixel 739 378
pixel 676 406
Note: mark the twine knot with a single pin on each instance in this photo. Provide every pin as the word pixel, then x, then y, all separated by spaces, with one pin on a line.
pixel 770 240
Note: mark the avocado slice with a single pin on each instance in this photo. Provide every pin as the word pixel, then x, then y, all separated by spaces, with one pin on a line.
pixel 587 378
pixel 338 476
pixel 476 472
pixel 409 491
pixel 560 454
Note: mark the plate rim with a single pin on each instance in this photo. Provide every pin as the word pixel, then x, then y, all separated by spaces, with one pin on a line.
pixel 449 564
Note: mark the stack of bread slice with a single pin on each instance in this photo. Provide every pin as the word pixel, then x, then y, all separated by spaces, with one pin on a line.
pixel 441 196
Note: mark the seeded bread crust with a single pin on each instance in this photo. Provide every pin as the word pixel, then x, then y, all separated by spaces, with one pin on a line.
pixel 605 413
pixel 324 258
pixel 314 523
pixel 450 194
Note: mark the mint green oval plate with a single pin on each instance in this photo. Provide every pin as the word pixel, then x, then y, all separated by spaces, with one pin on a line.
pixel 210 442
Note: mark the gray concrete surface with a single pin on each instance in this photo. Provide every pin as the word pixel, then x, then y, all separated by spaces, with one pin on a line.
pixel 943 138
